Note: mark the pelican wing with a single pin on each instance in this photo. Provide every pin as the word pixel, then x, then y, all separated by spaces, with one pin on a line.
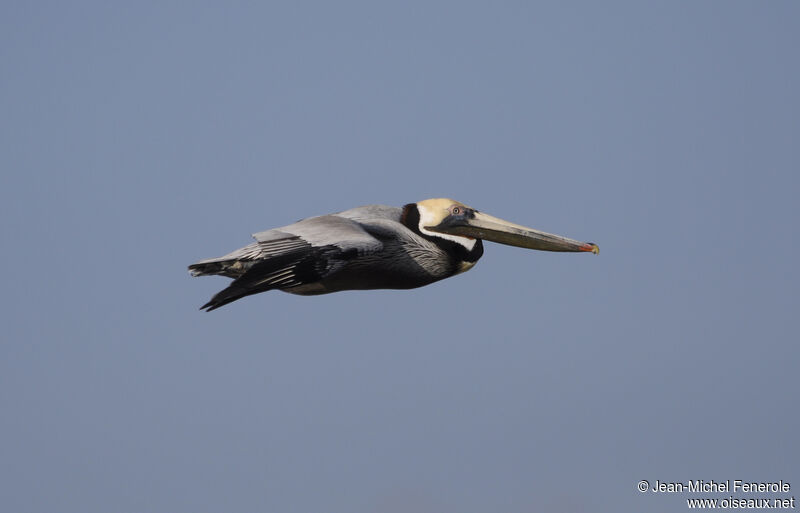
pixel 304 252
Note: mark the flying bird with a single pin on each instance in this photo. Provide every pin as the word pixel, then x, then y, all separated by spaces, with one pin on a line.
pixel 370 247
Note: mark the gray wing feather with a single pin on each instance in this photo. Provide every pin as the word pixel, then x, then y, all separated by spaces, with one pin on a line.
pixel 330 230
pixel 370 213
pixel 343 233
pixel 291 256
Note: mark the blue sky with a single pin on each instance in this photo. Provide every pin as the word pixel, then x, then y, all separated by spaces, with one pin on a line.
pixel 139 138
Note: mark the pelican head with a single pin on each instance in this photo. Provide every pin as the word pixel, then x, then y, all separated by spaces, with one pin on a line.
pixel 459 223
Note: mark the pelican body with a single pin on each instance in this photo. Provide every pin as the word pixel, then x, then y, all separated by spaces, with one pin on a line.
pixel 370 247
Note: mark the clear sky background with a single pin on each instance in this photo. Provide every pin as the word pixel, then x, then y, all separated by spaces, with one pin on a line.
pixel 139 137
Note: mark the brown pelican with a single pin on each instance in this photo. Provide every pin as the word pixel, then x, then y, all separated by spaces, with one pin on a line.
pixel 371 247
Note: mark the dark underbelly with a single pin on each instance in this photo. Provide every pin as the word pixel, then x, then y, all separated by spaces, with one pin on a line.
pixel 355 279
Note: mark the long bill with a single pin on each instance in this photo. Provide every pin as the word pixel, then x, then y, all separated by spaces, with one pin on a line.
pixel 486 227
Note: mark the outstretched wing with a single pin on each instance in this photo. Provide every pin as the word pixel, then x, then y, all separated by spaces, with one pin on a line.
pixel 301 253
